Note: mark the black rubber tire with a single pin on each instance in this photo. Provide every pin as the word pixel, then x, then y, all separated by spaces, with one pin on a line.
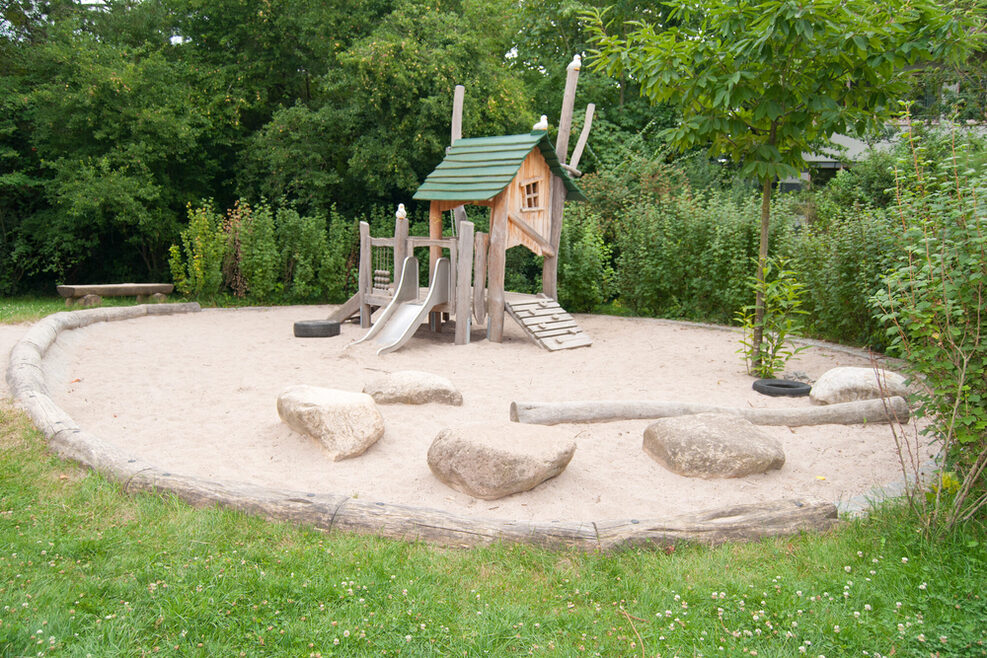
pixel 781 387
pixel 316 328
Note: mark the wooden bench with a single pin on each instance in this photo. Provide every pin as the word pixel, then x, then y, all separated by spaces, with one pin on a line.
pixel 92 295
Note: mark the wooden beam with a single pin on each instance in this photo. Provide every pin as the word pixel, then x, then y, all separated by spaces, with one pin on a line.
pixel 435 233
pixel 496 263
pixel 526 228
pixel 464 266
pixel 365 274
pixel 457 113
pixel 577 153
pixel 400 247
pixel 459 212
pixel 565 117
pixel 596 411
pixel 481 243
pixel 550 266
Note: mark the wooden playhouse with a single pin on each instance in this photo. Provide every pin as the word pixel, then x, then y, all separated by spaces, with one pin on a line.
pixel 516 177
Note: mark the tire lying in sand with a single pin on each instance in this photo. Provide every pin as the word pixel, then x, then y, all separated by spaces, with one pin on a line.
pixel 316 328
pixel 781 387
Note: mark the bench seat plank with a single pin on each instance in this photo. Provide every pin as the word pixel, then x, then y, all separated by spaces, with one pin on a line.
pixel 116 289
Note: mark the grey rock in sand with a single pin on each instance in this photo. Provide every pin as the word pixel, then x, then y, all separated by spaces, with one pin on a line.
pixel 345 423
pixel 490 461
pixel 413 387
pixel 712 446
pixel 847 384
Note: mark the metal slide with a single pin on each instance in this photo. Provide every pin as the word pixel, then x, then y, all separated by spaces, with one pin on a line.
pixel 401 318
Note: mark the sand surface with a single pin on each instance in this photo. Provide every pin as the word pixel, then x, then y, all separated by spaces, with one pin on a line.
pixel 196 393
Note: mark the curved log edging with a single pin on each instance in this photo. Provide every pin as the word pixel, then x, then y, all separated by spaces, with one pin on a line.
pixel 329 512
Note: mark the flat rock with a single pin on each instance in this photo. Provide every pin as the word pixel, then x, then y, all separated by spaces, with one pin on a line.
pixel 490 461
pixel 846 384
pixel 345 423
pixel 413 387
pixel 712 446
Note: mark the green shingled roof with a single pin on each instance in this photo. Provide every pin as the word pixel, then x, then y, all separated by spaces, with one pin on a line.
pixel 479 168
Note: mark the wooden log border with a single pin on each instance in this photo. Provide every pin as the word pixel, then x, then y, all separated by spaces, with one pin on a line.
pixel 331 512
pixel 894 409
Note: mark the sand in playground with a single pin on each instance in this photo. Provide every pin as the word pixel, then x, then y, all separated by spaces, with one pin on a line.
pixel 195 394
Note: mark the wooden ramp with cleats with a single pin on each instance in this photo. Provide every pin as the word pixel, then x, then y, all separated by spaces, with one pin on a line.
pixel 545 322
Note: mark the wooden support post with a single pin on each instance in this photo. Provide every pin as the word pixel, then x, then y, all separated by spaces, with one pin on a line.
pixel 459 212
pixel 549 274
pixel 496 262
pixel 464 264
pixel 365 274
pixel 435 233
pixel 400 247
pixel 457 113
pixel 481 242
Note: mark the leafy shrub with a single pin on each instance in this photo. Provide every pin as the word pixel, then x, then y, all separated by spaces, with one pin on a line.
pixel 689 256
pixel 585 272
pixel 197 265
pixel 303 244
pixel 841 265
pixel 340 267
pixel 260 258
pixel 783 295
pixel 934 305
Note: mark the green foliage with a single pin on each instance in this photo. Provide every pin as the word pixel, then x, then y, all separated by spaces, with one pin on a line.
pixel 197 264
pixel 689 256
pixel 764 81
pixel 783 295
pixel 341 267
pixel 933 305
pixel 304 245
pixel 585 272
pixel 841 263
pixel 260 258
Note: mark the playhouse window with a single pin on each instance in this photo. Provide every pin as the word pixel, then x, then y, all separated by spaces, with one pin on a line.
pixel 531 195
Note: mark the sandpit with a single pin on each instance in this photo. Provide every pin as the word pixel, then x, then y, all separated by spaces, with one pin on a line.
pixel 195 394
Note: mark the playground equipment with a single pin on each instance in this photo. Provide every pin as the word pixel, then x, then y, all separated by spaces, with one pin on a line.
pixel 405 312
pixel 525 182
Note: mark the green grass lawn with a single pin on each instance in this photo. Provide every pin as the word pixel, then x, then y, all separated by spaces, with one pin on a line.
pixel 87 569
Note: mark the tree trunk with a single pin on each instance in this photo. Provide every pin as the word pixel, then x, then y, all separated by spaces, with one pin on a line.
pixel 762 258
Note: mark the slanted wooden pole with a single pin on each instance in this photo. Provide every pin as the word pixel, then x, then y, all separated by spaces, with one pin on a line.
pixel 464 266
pixel 459 212
pixel 577 153
pixel 549 275
pixel 496 262
pixel 365 274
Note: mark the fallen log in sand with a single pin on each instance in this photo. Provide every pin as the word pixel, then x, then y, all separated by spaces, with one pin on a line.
pixel 597 411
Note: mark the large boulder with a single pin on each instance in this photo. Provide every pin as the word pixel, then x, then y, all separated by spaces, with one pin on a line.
pixel 712 446
pixel 846 384
pixel 345 423
pixel 491 461
pixel 413 387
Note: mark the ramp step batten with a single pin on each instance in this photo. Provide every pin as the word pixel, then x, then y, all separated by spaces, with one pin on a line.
pixel 545 322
